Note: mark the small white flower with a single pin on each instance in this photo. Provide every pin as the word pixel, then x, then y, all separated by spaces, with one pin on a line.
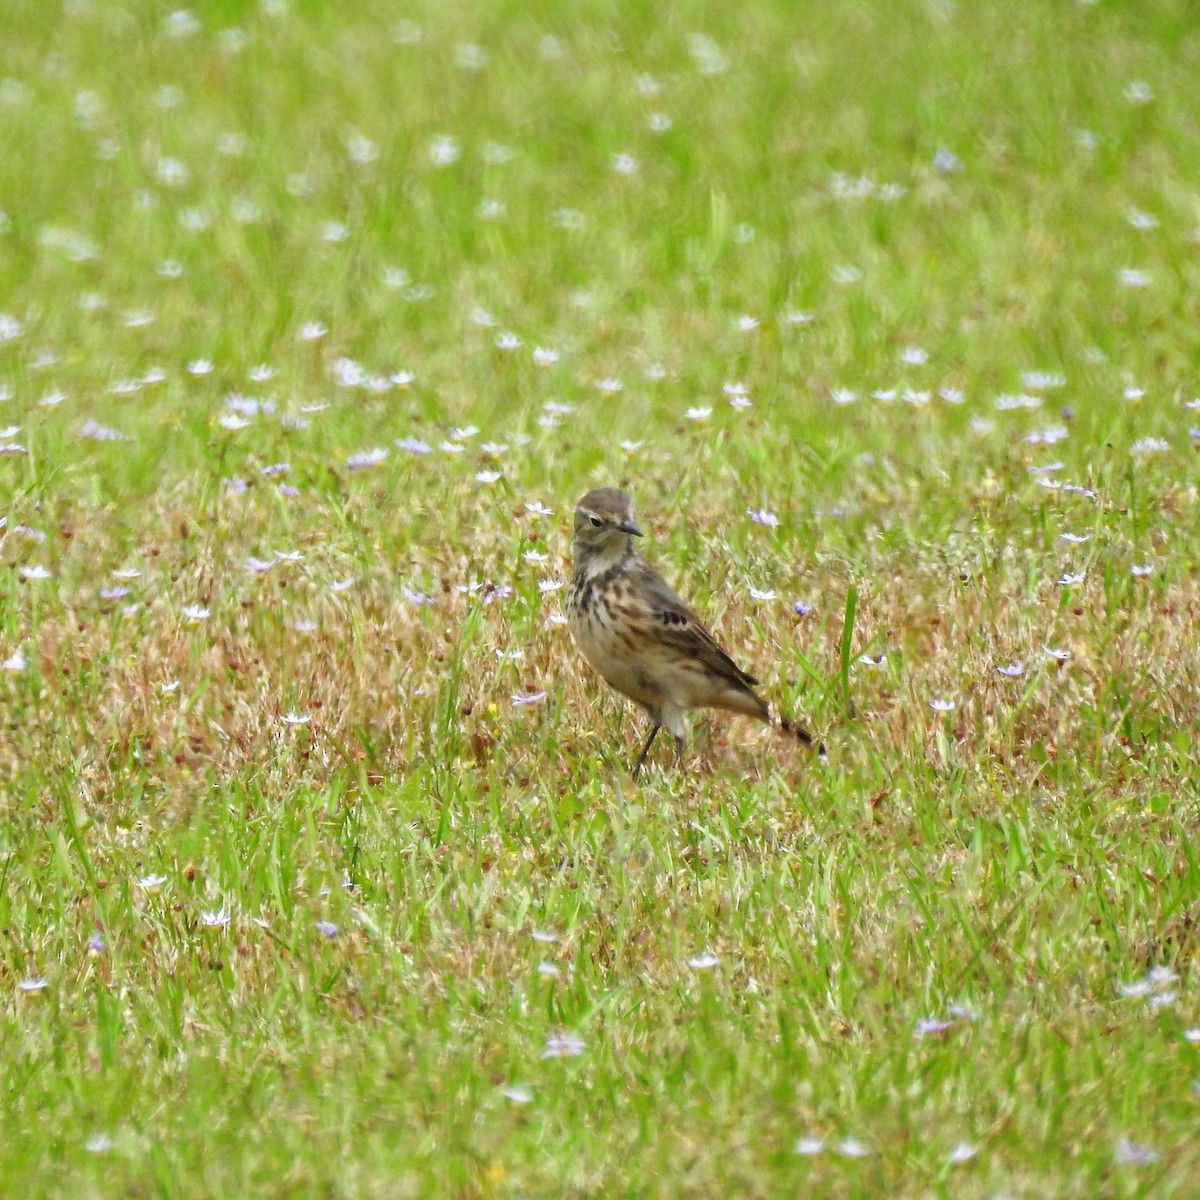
pixel 809 1145
pixel 35 572
pixel 295 718
pixel 927 1026
pixel 1069 580
pixel 1056 654
pixel 1134 277
pixel 872 660
pixel 517 1094
pixel 1128 1151
pixel 545 357
pixel 942 706
pixel 487 477
pixel 149 883
pixel 215 918
pixel 697 413
pixel 1141 570
pixel 703 962
pixel 914 356
pixel 342 585
pixel 843 396
pixel 532 698
pixel 761 593
pixel 761 516
pixel 546 936
pixel 365 458
pixel 624 164
pixel 962 1152
pixel 747 324
pixel 1149 445
pixel 609 386
pixel 547 969
pixel 1012 669
pixel 852 1148
pixel 194 612
pixel 563 1044
pixel 1075 538
pixel 1137 91
pixel 33 984
pixel 14 662
pixel 796 317
pixel 168 686
pixel 310 331
pixel 444 151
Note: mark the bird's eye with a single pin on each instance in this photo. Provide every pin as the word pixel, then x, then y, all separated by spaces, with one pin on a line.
pixel 597 522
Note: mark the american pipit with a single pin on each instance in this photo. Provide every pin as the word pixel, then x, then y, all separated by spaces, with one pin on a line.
pixel 641 637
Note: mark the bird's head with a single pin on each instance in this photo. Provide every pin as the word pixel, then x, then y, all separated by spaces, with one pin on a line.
pixel 604 522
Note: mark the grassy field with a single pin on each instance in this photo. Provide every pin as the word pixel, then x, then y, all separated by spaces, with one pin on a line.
pixel 323 873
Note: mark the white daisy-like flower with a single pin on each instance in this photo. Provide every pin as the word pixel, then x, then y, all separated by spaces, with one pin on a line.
pixel 295 718
pixel 563 1044
pixel 703 962
pixel 365 458
pixel 698 413
pixel 194 612
pixel 444 151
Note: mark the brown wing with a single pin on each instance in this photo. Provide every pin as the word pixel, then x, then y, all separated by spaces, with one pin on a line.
pixel 682 628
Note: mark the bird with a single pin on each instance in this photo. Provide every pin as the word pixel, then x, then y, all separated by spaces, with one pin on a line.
pixel 640 636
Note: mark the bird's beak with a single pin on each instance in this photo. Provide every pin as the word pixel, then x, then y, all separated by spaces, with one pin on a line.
pixel 631 528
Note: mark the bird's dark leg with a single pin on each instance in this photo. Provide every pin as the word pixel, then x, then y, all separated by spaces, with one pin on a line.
pixel 678 751
pixel 641 758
